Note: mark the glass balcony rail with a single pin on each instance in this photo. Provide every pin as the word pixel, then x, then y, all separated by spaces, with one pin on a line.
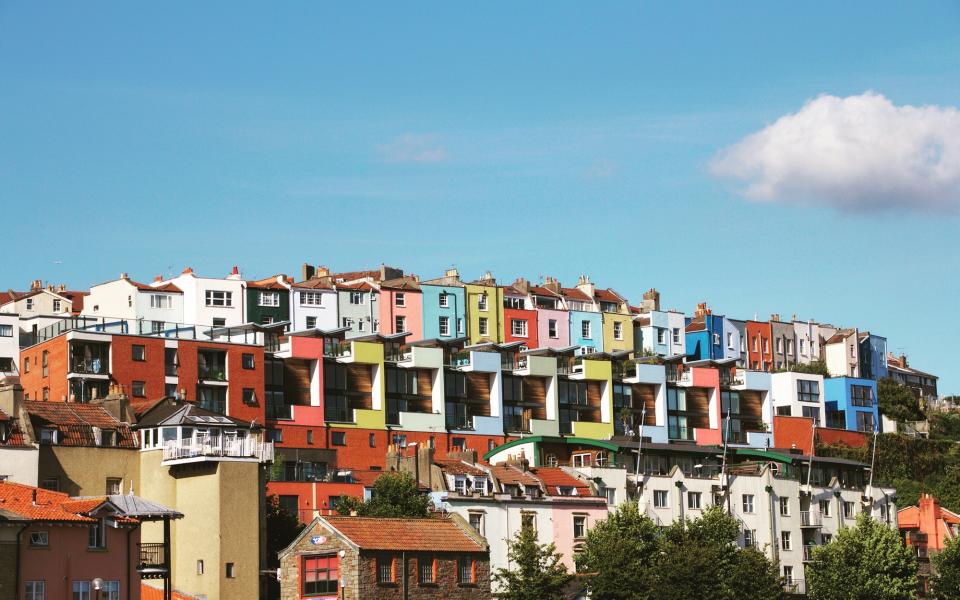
pixel 219 446
pixel 810 518
pixel 165 329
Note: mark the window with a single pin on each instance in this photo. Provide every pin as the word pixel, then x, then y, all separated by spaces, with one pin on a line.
pixel 400 299
pixel 400 324
pixel 309 436
pixel 476 521
pixel 356 297
pixel 611 495
pixel 81 590
pixel 311 322
pixel 156 326
pixel 346 322
pixel 43 363
pixel 386 569
pixel 466 571
pixel 51 483
pixel 48 436
pixel 444 326
pixel 110 590
pixel 459 444
pixel 617 330
pixel 483 326
pixel 803 349
pixel 311 299
pixel 372 440
pixel 748 503
pixel 848 511
pixel 785 507
pixel 582 460
pixel 219 322
pixel 249 396
pixel 787 574
pixel 444 300
pixel 219 298
pixel 460 325
pixel 661 498
pixel 139 389
pixel 97 535
pixel 808 390
pixel 826 537
pixel 320 575
pixel 716 339
pixel 6 330
pixel 779 345
pixel 749 538
pixel 39 538
pixel 114 486
pixel 661 335
pixel 825 508
pixel 579 526
pixel 864 421
pixel 26 364
pixel 266 320
pixel 482 302
pixel 338 438
pixel 789 346
pixel 269 299
pixel 428 567
pixel 528 520
pixel 35 590
pixel 552 329
pixel 693 500
pixel 730 340
pixel 231 570
pixel 56 305
pixel 676 335
pixel 361 325
pixel 247 361
pixel 585 330
pixel 785 541
pixel 518 327
pixel 861 395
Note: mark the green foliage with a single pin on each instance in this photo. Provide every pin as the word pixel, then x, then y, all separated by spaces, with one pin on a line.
pixel 282 527
pixel 537 572
pixel 624 558
pixel 897 402
pixel 618 555
pixel 866 562
pixel 945 426
pixel 945 585
pixel 818 367
pixel 393 495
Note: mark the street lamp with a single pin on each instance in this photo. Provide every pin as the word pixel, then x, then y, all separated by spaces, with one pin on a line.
pixel 97 585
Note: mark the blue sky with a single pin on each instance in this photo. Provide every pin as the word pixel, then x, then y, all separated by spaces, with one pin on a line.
pixel 527 141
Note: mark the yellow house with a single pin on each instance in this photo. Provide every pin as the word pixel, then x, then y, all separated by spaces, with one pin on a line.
pixel 484 310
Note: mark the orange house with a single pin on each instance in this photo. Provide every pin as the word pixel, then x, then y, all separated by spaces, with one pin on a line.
pixel 759 346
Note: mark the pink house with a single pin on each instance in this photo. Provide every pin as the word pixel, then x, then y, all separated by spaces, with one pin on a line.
pixel 401 308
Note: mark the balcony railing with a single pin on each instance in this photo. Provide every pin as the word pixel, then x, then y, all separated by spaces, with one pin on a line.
pixel 218 447
pixel 516 423
pixel 166 329
pixel 152 557
pixel 213 373
pixel 808 553
pixel 810 518
pixel 795 587
pixel 458 359
pixel 94 366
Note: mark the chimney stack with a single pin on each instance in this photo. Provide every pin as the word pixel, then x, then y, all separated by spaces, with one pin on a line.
pixel 307 271
pixel 586 286
pixel 125 276
pixel 775 317
pixel 552 284
pixel 36 285
pixel 702 310
pixel 522 285
pixel 651 300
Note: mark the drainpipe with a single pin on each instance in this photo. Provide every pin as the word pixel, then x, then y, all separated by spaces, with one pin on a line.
pixel 16 572
pixel 406 584
pixel 129 531
pixel 774 542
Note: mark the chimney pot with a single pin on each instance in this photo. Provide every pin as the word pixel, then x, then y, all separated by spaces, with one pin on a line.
pixel 124 276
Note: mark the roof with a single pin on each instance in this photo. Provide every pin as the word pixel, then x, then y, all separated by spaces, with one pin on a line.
pixel 542 291
pixel 401 283
pixel 171 412
pixel 608 295
pixel 361 285
pixel 17 500
pixel 268 283
pixel 696 325
pixel 141 508
pixel 642 321
pixel 15 438
pixel 436 534
pixel 76 423
pixel 575 294
pixel 555 477
pixel 458 467
pixel 163 287
pixel 510 475
pixel 315 283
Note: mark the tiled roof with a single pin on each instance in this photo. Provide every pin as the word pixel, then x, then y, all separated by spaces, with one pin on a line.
pixel 362 285
pixel 15 437
pixel 643 321
pixel 508 474
pixel 437 534
pixel 269 283
pixel 696 325
pixel 140 407
pixel 401 283
pixel 166 287
pixel 575 294
pixel 542 291
pixel 3 416
pixel 458 467
pixel 75 422
pixel 315 283
pixel 608 295
pixel 352 275
pixel 555 477
pixel 50 506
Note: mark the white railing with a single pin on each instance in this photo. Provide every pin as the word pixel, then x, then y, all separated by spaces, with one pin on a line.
pixel 218 447
pixel 810 518
pixel 795 586
pixel 808 552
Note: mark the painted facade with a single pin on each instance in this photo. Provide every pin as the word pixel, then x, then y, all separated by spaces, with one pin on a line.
pixel 851 403
pixel 313 305
pixel 759 346
pixel 211 301
pixel 401 308
pixel 484 303
pixel 443 297
pixel 127 299
pixel 268 300
pixel 358 305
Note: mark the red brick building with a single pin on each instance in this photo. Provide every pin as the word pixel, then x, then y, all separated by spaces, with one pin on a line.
pixel 759 346
pixel 353 558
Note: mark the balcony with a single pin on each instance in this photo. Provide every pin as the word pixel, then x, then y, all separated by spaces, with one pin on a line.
pixel 808 553
pixel 164 329
pixel 217 447
pixel 810 518
pixel 152 563
pixel 458 360
pixel 336 348
pixel 795 587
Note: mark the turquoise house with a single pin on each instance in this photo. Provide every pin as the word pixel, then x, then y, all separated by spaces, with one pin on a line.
pixel 586 329
pixel 443 300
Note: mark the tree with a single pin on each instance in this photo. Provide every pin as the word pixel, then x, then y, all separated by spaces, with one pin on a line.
pixel 866 562
pixel 897 402
pixel 618 555
pixel 946 583
pixel 945 426
pixel 947 488
pixel 537 572
pixel 817 367
pixel 394 495
pixel 700 559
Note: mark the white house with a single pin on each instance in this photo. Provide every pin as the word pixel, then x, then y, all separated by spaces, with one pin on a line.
pixel 313 305
pixel 218 302
pixel 798 395
pixel 9 343
pixel 160 304
pixel 41 300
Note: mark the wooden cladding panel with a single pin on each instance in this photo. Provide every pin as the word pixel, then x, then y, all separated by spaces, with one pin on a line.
pixel 296 381
pixel 359 378
pixel 751 405
pixel 645 395
pixel 595 394
pixel 425 382
pixel 535 390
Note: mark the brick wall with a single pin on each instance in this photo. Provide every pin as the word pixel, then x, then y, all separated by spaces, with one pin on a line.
pixel 56 380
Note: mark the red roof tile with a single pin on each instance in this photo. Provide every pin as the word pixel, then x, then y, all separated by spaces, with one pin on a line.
pixel 458 467
pixel 75 422
pixel 166 287
pixel 268 283
pixel 362 285
pixel 437 534
pixel 608 295
pixel 315 283
pixel 50 506
pixel 555 477
pixel 508 474
pixel 575 294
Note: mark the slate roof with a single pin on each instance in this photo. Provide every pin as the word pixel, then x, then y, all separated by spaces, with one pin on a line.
pixel 436 534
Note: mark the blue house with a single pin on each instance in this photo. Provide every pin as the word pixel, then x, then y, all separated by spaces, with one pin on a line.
pixel 706 336
pixel 873 356
pixel 586 329
pixel 851 403
pixel 443 297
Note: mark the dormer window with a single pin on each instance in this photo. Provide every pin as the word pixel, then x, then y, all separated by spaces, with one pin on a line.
pixel 532 491
pixel 48 436
pixel 107 438
pixel 460 485
pixel 480 485
pixel 563 490
pixel 582 460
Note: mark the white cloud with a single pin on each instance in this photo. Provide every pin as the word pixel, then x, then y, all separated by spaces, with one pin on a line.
pixel 411 147
pixel 858 153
